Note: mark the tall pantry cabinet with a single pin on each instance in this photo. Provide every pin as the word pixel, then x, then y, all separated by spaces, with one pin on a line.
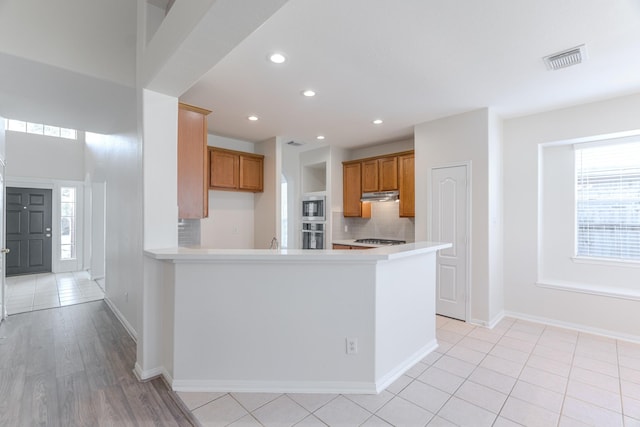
pixel 193 191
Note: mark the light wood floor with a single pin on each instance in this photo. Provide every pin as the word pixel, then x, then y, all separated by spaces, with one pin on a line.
pixel 72 366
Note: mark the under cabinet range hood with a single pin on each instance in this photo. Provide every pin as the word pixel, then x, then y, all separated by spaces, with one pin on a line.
pixel 380 196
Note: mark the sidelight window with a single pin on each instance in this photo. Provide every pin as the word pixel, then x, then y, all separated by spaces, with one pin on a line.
pixel 608 201
pixel 67 223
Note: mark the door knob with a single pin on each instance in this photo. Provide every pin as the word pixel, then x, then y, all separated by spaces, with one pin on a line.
pixel 5 250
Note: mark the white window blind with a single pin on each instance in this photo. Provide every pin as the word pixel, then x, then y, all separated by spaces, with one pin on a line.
pixel 608 201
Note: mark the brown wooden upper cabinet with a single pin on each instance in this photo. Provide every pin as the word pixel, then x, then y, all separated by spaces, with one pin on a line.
pixel 406 176
pixel 384 173
pixel 193 194
pixel 235 170
pixel 380 174
pixel 352 190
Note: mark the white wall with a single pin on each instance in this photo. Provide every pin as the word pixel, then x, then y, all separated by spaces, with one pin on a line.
pixel 230 221
pixel 3 140
pixel 116 160
pixel 39 156
pixel 451 140
pixel 338 155
pixel 97 230
pixel 496 219
pixel 522 138
pixel 291 171
pixel 267 204
pixel 382 149
pixel 230 224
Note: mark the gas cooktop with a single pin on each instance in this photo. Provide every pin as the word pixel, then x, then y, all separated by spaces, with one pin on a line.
pixel 373 241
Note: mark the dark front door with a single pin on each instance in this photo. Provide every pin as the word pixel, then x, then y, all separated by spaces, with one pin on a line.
pixel 28 231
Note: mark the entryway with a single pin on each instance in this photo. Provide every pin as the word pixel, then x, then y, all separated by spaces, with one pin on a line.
pixel 48 290
pixel 28 230
pixel 450 223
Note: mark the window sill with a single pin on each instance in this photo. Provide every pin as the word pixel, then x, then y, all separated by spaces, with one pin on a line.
pixel 606 262
pixel 583 288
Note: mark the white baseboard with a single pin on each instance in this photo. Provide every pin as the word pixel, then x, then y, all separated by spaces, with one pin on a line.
pixel 398 371
pixel 491 323
pixel 149 374
pixel 122 319
pixel 333 387
pixel 231 386
pixel 575 326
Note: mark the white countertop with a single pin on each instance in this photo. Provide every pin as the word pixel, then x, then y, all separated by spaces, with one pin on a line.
pixel 286 255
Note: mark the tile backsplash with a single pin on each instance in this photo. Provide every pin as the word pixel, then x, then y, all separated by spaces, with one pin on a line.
pixel 385 223
pixel 188 232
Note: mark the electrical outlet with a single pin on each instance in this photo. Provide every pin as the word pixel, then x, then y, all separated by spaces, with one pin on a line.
pixel 346 228
pixel 234 230
pixel 352 345
pixel 126 296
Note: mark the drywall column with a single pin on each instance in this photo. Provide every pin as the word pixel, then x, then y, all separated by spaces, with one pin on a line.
pixel 160 136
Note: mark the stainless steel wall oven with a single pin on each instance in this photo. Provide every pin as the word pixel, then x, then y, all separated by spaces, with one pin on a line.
pixel 313 235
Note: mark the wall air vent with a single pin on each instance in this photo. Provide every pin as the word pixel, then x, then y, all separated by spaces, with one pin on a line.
pixel 566 58
pixel 294 143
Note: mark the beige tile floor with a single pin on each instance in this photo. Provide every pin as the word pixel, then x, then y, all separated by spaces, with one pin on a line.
pixel 48 290
pixel 519 373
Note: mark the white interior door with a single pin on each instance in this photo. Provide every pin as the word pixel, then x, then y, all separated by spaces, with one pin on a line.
pixel 449 219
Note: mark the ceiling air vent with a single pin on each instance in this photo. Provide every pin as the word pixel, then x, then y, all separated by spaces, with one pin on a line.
pixel 566 58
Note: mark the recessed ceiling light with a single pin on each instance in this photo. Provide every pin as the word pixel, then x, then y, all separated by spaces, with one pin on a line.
pixel 253 118
pixel 377 122
pixel 320 137
pixel 309 93
pixel 277 58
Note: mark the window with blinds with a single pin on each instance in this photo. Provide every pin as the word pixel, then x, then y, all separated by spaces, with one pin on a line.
pixel 608 201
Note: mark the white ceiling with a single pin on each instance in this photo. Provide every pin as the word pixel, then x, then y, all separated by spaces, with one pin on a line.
pixel 96 38
pixel 68 63
pixel 404 61
pixel 412 61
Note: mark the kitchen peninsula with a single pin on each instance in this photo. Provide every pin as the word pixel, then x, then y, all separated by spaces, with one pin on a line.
pixel 325 321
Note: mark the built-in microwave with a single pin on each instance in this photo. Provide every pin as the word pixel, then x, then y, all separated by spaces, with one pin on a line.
pixel 313 208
